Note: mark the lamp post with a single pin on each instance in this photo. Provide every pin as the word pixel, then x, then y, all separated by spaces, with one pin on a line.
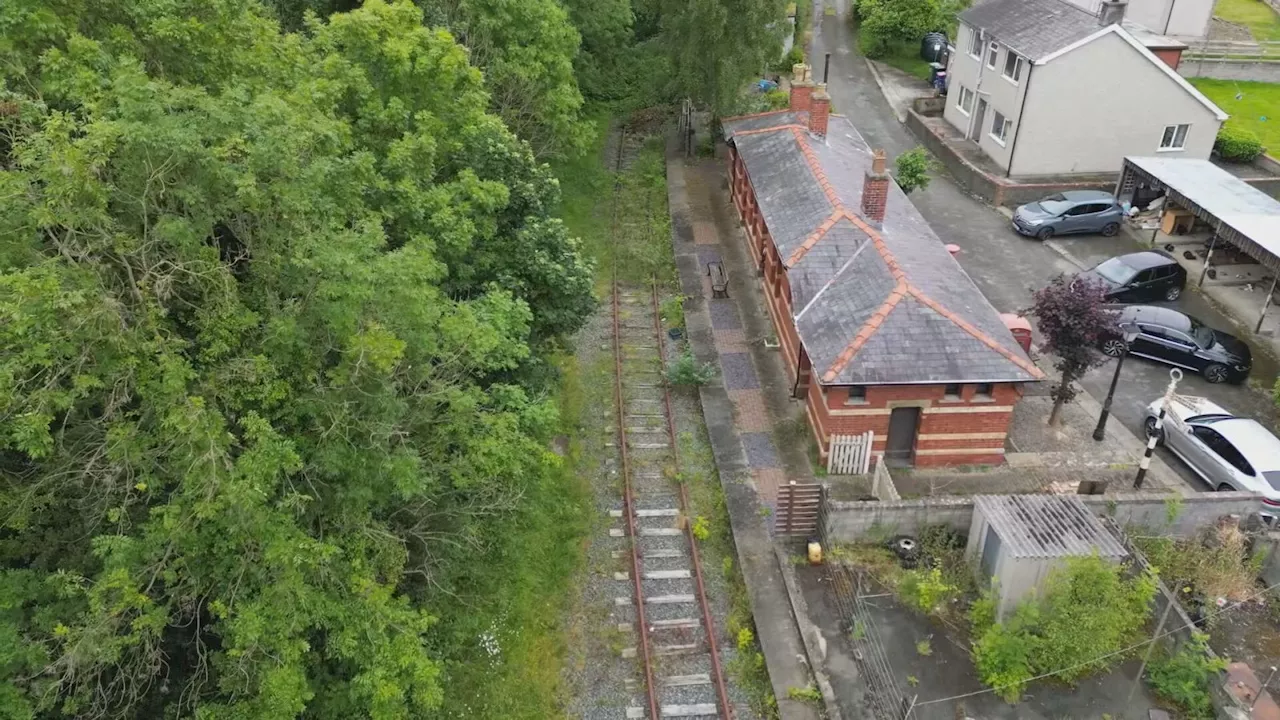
pixel 1129 332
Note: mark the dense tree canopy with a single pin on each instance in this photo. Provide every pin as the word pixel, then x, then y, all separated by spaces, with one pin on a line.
pixel 716 46
pixel 262 299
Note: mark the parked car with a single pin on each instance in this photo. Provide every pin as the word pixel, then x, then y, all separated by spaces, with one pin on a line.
pixel 1139 277
pixel 1066 213
pixel 1168 336
pixel 1228 452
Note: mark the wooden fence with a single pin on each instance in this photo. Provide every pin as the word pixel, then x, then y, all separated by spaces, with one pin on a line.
pixel 1233 49
pixel 850 454
pixel 799 510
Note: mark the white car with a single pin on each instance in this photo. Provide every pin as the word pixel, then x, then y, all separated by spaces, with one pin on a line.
pixel 1228 452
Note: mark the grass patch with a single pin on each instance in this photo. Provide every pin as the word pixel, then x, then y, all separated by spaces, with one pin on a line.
pixel 1258 108
pixel 903 56
pixel 1216 563
pixel 1261 20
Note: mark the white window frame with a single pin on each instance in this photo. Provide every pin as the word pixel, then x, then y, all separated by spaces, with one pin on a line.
pixel 1174 144
pixel 965 93
pixel 1005 125
pixel 975 44
pixel 993 54
pixel 1017 67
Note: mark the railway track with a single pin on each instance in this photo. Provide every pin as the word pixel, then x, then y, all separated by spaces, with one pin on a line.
pixel 673 626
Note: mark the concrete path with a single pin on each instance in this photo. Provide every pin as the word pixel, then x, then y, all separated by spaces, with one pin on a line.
pixel 1007 267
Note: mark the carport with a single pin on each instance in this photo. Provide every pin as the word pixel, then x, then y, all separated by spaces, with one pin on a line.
pixel 1237 214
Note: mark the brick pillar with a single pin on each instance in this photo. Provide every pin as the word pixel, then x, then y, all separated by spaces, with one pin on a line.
pixel 819 110
pixel 801 88
pixel 875 189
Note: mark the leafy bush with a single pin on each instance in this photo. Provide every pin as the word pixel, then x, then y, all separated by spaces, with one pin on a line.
pixel 686 371
pixel 911 169
pixel 1086 610
pixel 884 23
pixel 1237 144
pixel 1184 678
pixel 926 590
pixel 777 99
pixel 794 57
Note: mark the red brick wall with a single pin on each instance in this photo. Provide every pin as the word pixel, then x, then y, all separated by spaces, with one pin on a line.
pixel 969 425
pixel 1170 57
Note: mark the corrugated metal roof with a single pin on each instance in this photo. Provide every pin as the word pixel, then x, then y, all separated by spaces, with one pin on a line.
pixel 1243 207
pixel 1047 526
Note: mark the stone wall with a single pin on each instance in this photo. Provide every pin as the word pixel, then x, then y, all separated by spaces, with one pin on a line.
pixel 1230 69
pixel 850 522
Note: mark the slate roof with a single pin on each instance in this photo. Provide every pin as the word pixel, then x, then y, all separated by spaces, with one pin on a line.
pixel 1033 28
pixel 872 305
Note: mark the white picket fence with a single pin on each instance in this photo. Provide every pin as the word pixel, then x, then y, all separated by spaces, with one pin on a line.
pixel 850 454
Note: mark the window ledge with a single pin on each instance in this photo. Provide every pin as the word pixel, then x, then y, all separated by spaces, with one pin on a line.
pixel 982 399
pixel 999 142
pixel 952 400
pixel 1009 80
pixel 1172 149
pixel 855 403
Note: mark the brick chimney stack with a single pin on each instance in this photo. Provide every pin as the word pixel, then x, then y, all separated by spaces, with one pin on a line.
pixel 819 110
pixel 875 189
pixel 801 88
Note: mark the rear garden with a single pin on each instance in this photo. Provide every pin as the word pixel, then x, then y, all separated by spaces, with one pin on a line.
pixel 925 635
pixel 1257 16
pixel 1253 106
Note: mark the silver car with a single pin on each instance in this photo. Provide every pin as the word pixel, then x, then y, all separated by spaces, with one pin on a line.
pixel 1229 452
pixel 1065 213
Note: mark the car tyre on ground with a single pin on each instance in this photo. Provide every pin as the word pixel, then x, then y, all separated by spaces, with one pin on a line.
pixel 1114 347
pixel 1173 293
pixel 1216 373
pixel 1110 229
pixel 1045 233
pixel 1150 427
pixel 1223 487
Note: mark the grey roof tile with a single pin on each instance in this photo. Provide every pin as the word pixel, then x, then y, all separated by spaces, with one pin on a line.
pixel 840 282
pixel 1033 28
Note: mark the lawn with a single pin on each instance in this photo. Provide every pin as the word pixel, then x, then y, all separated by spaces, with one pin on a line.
pixel 1261 20
pixel 1258 108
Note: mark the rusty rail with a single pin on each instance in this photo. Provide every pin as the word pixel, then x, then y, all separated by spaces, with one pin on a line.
pixel 708 623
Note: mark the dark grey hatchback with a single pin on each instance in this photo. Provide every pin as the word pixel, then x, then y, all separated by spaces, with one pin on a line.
pixel 1139 277
pixel 1168 336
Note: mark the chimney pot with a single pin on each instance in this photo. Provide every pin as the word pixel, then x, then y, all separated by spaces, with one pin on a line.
pixel 819 110
pixel 875 189
pixel 801 88
pixel 1112 12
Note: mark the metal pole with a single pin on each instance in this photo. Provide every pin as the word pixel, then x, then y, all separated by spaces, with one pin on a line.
pixel 1175 375
pixel 826 67
pixel 1213 242
pixel 1100 431
pixel 1155 232
pixel 1150 646
pixel 1266 303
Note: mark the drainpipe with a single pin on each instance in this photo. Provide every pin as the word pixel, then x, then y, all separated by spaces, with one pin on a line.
pixel 1013 145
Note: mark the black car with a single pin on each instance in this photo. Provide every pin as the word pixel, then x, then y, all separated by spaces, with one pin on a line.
pixel 1170 337
pixel 1140 277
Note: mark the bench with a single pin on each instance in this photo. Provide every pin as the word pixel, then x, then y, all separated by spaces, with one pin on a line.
pixel 719 280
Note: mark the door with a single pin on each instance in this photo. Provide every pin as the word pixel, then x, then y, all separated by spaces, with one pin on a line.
pixel 1139 288
pixel 979 118
pixel 1167 344
pixel 1073 220
pixel 900 448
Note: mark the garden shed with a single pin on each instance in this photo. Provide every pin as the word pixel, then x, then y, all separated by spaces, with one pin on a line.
pixel 1016 540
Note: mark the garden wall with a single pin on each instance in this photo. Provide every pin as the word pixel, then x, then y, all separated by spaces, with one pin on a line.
pixel 853 521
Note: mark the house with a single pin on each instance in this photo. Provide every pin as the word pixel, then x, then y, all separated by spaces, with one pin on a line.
pixel 1045 88
pixel 881 329
pixel 1183 19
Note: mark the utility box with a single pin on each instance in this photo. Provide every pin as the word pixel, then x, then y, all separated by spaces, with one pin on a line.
pixel 1015 541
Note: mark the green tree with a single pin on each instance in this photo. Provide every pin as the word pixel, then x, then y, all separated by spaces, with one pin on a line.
pixel 911 169
pixel 261 298
pixel 716 46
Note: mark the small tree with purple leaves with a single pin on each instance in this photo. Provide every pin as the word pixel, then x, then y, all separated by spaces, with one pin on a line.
pixel 1073 317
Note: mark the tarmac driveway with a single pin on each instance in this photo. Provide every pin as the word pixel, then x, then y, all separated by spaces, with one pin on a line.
pixel 1006 266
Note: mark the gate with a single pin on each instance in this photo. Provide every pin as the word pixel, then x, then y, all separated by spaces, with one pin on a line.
pixel 799 510
pixel 850 454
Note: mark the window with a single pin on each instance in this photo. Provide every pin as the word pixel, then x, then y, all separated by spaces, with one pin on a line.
pixel 983 391
pixel 993 52
pixel 1012 66
pixel 1079 210
pixel 1174 137
pixel 951 392
pixel 1000 127
pixel 975 42
pixel 1222 448
pixel 857 394
pixel 965 100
